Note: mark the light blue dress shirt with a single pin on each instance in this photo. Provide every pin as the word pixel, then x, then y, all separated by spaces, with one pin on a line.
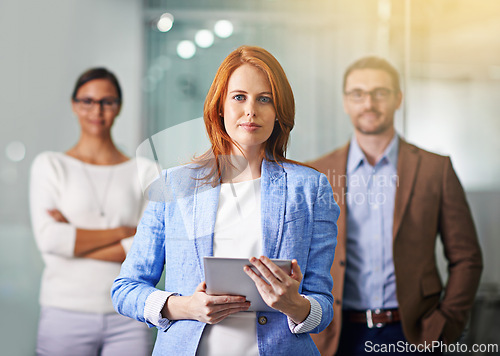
pixel 370 282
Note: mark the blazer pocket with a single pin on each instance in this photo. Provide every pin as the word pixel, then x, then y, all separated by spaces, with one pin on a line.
pixel 432 327
pixel 295 215
pixel 431 285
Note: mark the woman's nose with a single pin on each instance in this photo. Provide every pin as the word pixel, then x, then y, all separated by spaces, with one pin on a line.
pixel 250 109
pixel 98 106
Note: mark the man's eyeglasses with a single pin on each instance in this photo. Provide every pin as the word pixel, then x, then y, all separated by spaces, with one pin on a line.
pixel 377 94
pixel 108 104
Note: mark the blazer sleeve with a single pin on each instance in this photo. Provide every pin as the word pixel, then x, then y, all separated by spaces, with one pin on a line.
pixel 143 267
pixel 317 281
pixel 462 250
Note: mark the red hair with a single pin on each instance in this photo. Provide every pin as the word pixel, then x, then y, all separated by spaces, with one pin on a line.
pixel 282 98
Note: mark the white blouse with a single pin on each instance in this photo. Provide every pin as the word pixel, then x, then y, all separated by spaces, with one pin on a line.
pixel 238 233
pixel 81 191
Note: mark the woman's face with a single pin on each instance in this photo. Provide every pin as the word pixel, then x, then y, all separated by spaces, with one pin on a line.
pixel 249 113
pixel 96 106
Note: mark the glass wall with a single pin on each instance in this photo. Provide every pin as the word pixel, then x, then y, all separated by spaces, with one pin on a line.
pixel 448 53
pixel 45 46
pixel 314 41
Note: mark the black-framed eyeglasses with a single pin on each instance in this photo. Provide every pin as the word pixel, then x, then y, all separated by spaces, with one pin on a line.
pixel 108 104
pixel 377 94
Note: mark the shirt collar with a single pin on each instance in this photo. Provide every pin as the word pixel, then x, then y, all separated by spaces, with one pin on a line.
pixel 391 152
pixel 356 157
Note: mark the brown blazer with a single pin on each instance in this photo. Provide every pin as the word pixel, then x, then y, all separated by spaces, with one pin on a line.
pixel 429 201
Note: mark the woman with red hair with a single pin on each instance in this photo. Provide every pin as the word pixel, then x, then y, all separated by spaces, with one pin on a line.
pixel 242 198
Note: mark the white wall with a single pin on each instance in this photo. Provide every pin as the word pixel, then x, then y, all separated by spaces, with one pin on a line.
pixel 44 46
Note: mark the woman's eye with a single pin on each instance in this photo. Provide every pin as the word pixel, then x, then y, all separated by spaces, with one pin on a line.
pixel 265 99
pixel 239 97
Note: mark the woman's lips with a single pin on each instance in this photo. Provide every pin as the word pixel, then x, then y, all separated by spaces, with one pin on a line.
pixel 96 122
pixel 249 126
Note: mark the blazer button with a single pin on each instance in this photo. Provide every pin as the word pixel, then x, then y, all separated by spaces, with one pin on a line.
pixel 342 263
pixel 262 320
pixel 338 301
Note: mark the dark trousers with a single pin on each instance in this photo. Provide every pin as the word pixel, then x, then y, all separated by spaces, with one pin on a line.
pixel 358 339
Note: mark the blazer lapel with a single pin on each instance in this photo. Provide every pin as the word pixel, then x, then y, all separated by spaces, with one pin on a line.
pixel 334 166
pixel 273 199
pixel 408 163
pixel 338 181
pixel 205 203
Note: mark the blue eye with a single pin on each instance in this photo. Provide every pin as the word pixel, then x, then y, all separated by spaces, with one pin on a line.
pixel 265 99
pixel 239 97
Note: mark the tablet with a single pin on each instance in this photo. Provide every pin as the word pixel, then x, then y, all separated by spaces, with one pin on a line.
pixel 225 276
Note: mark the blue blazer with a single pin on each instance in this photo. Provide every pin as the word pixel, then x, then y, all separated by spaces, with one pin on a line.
pixel 299 218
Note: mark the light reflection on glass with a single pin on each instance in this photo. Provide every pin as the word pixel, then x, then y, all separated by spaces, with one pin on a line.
pixel 165 22
pixel 186 49
pixel 15 151
pixel 204 38
pixel 223 28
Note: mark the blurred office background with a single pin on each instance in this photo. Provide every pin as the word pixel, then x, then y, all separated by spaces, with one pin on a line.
pixel 448 52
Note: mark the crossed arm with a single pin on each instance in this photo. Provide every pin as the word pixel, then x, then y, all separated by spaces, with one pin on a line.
pixel 101 245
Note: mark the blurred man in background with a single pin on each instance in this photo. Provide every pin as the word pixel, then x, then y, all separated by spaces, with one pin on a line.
pixel 395 199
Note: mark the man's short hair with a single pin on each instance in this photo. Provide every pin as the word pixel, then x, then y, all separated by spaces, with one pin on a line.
pixel 373 62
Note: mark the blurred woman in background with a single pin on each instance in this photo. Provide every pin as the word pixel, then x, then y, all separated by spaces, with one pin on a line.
pixel 85 205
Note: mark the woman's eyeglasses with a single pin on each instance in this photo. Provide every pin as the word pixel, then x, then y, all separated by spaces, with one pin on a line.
pixel 108 104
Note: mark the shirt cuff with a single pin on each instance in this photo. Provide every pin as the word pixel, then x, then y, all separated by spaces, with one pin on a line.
pixel 127 244
pixel 312 320
pixel 152 309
